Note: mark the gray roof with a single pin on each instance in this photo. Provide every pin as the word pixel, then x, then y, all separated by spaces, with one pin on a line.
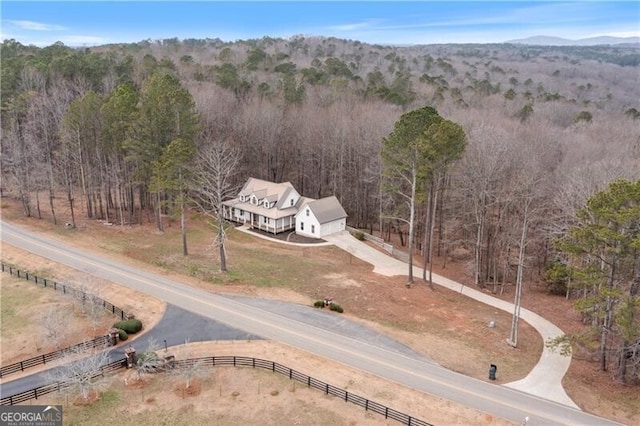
pixel 262 188
pixel 327 209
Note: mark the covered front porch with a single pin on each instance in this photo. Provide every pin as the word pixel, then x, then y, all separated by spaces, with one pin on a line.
pixel 258 221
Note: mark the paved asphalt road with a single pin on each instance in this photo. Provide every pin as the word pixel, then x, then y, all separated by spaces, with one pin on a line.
pixel 497 400
pixel 175 326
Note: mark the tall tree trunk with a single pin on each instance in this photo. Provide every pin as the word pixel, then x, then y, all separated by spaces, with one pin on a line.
pixel 427 230
pixel 221 237
pixel 183 228
pixel 159 212
pixel 625 351
pixel 606 323
pixel 513 337
pixel 478 249
pixel 412 214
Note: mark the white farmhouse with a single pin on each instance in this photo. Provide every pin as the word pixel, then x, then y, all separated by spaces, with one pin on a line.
pixel 278 207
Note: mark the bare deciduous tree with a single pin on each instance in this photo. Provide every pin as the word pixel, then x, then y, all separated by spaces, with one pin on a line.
pixel 213 182
pixel 56 323
pixel 77 375
pixel 192 369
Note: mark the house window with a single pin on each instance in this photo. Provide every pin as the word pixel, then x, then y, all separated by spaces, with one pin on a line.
pixel 242 198
pixel 307 212
pixel 264 219
pixel 313 229
pixel 302 226
pixel 292 201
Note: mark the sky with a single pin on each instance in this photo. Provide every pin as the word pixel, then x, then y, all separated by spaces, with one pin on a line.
pixel 91 23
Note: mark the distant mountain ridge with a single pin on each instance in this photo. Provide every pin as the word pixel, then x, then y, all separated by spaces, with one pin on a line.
pixel 542 40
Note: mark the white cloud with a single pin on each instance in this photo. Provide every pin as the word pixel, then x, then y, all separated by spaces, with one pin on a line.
pixel 74 40
pixel 37 26
pixel 364 25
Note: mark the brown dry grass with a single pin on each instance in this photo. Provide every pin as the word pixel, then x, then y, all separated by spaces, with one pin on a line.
pixel 441 324
pixel 232 396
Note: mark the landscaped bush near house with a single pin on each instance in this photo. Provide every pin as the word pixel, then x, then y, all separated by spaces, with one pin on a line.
pixel 319 304
pixel 122 335
pixel 359 235
pixel 336 308
pixel 131 326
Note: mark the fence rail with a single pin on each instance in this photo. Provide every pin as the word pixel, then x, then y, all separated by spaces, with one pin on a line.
pixel 240 361
pixel 66 289
pixel 101 341
pixel 40 391
pixel 237 361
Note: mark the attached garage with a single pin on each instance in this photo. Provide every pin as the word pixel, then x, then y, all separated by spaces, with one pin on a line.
pixel 319 218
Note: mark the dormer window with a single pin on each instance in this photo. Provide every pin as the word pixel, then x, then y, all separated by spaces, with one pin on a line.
pixel 242 198
pixel 307 212
pixel 266 204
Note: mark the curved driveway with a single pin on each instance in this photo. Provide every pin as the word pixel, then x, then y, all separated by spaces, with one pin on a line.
pixel 545 380
pixel 504 402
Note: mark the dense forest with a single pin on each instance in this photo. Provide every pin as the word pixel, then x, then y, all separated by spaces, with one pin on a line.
pixel 114 130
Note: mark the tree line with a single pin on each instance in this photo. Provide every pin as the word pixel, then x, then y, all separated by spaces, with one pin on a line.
pixel 510 142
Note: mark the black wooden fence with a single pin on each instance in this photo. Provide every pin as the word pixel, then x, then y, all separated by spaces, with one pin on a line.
pixel 66 289
pixel 239 361
pixel 40 391
pixel 98 342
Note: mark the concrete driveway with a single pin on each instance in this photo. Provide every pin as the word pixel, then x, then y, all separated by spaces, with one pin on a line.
pixel 545 380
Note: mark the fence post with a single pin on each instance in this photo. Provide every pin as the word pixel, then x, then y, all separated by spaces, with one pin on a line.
pixel 386 412
pixel 54 285
pixel 10 270
pixel 18 271
pixel 366 405
pixel 326 388
pixel 21 366
pixel 64 289
pixel 35 392
pixel 44 360
pixel 35 277
pixel 27 275
pixel 346 395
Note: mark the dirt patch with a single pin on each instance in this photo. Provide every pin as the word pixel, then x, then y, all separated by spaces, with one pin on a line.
pixel 340 280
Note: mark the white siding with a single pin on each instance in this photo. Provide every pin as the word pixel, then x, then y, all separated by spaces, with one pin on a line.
pixel 310 223
pixel 333 227
pixel 291 200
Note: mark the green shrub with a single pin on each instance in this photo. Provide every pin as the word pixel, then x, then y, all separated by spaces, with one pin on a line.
pixel 319 304
pixel 131 326
pixel 122 335
pixel 336 308
pixel 359 235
